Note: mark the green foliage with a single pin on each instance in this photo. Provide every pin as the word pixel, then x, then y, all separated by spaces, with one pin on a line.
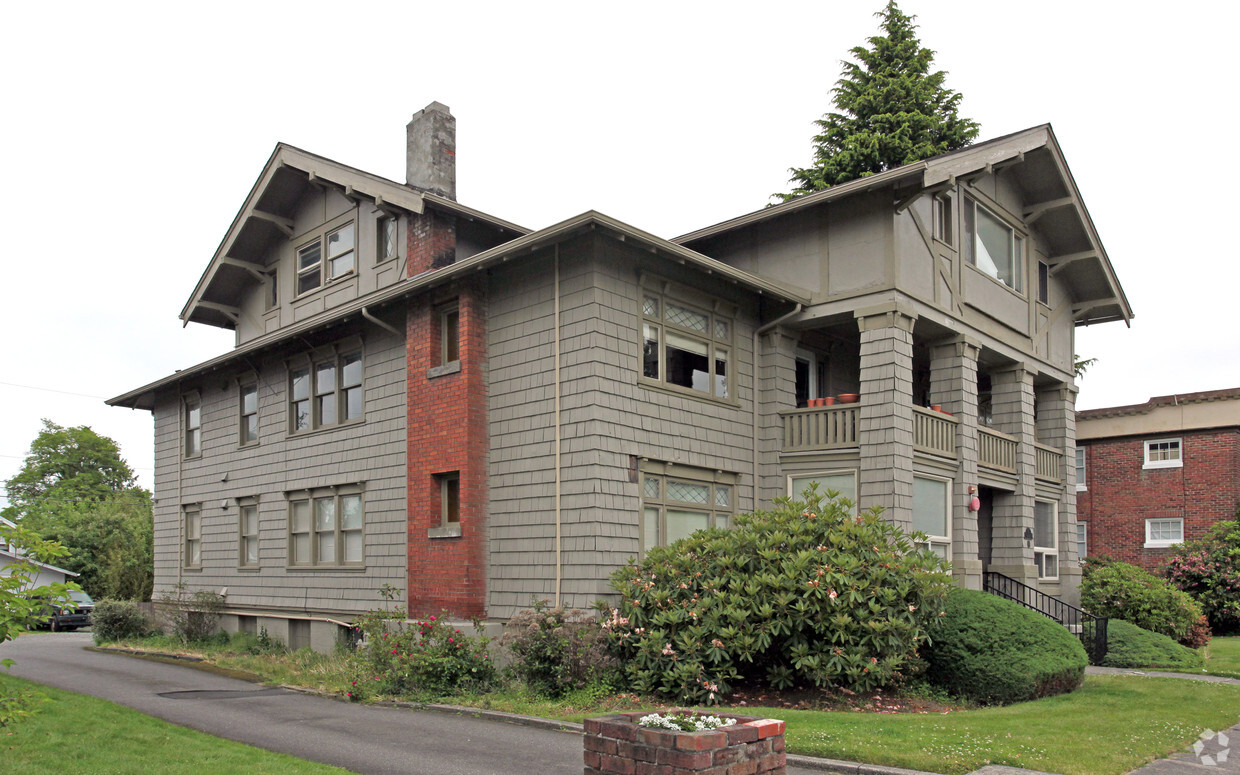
pixel 1081 365
pixel 806 593
pixel 892 110
pixel 1122 591
pixel 995 651
pixel 22 604
pixel 558 650
pixel 418 659
pixel 18 705
pixel 67 465
pixel 118 620
pixel 256 645
pixel 1131 646
pixel 1209 570
pixel 193 616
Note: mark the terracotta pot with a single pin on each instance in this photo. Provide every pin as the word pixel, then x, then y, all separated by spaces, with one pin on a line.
pixel 828 401
pixel 936 407
pixel 848 398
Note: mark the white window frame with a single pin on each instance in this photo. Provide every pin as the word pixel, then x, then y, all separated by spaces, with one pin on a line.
pixel 315 503
pixel 818 372
pixel 323 270
pixel 1157 445
pixel 656 329
pixel 1082 541
pixel 1016 246
pixel 719 511
pixel 1040 553
pixel 944 541
pixel 1151 525
pixel 812 475
pixel 1082 470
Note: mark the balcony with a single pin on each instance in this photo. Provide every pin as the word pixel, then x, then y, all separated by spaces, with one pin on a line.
pixel 1049 462
pixel 997 450
pixel 821 427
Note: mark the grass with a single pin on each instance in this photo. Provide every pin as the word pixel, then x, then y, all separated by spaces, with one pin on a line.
pixel 80 734
pixel 1223 657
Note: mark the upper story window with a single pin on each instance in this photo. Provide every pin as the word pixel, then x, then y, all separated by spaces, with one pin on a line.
pixel 314 268
pixel 327 393
pixel 1044 282
pixel 249 413
pixel 386 231
pixel 993 246
pixel 1082 541
pixel 326 527
pixel 673 506
pixel 1163 453
pixel 686 347
pixel 943 219
pixel 1081 482
pixel 1046 539
pixel 193 428
pixel 449 334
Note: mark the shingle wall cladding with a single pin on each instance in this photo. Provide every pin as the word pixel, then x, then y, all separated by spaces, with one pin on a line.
pixel 370 452
pixel 1121 494
pixel 607 419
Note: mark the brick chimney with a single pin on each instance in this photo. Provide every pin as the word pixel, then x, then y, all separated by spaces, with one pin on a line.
pixel 430 151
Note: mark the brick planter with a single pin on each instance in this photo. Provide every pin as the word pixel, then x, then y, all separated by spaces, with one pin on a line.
pixel 616 744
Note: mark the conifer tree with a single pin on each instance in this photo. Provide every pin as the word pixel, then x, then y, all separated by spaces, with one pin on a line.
pixel 891 111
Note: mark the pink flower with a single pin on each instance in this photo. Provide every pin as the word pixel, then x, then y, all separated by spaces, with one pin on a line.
pixel 831 594
pixel 451 641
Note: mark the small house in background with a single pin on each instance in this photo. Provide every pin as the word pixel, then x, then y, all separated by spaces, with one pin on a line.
pixel 43 574
pixel 1152 475
pixel 430 397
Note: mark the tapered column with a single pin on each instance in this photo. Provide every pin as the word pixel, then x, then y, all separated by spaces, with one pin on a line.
pixel 953 385
pixel 1012 399
pixel 886 428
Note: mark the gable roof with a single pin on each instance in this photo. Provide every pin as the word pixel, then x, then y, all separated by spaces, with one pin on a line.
pixel 144 397
pixel 267 216
pixel 1076 252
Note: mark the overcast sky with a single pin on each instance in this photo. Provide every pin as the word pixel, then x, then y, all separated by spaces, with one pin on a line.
pixel 133 133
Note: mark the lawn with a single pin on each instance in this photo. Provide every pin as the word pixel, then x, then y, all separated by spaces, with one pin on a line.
pixel 1223 657
pixel 73 733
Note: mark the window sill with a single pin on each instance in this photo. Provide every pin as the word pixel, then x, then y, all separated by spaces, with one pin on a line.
pixel 1082 488
pixel 327 568
pixel 1175 464
pixel 1161 544
pixel 1018 294
pixel 684 392
pixel 325 429
pixel 444 370
pixel 248 569
pixel 447 531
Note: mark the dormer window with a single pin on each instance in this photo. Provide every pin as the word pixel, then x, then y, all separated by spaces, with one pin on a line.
pixel 994 247
pixel 311 266
pixel 340 252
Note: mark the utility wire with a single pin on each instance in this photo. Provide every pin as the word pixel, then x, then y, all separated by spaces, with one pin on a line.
pixel 53 390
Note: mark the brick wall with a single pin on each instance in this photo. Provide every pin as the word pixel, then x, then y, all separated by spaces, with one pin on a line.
pixel 447 433
pixel 1121 494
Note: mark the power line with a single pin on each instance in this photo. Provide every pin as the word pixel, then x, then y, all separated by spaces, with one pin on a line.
pixel 53 390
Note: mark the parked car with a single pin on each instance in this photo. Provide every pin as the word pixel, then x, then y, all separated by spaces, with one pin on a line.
pixel 72 614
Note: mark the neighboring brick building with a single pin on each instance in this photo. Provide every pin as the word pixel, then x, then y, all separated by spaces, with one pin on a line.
pixel 426 397
pixel 1157 473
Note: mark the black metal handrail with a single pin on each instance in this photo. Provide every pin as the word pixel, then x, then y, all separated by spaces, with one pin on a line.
pixel 1092 630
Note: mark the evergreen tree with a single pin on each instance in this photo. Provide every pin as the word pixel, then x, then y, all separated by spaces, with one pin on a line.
pixel 892 111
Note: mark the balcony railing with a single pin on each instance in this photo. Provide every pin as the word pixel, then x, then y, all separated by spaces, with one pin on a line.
pixel 996 450
pixel 934 432
pixel 1049 462
pixel 821 427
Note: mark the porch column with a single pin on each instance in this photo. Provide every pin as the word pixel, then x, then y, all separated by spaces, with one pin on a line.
pixel 1012 399
pixel 1057 428
pixel 775 392
pixel 953 385
pixel 885 432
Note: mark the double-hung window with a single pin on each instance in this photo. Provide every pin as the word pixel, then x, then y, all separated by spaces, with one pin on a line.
pixel 1046 539
pixel 249 413
pixel 678 503
pixel 192 518
pixel 1162 533
pixel 993 246
pixel 317 265
pixel 1163 453
pixel 326 393
pixel 247 529
pixel 686 347
pixel 326 528
pixel 932 514
pixel 193 428
pixel 1081 482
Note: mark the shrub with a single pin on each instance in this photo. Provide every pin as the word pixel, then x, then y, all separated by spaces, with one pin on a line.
pixel 1123 591
pixel 995 651
pixel 805 593
pixel 118 620
pixel 1209 570
pixel 194 617
pixel 1131 646
pixel 558 650
pixel 418 659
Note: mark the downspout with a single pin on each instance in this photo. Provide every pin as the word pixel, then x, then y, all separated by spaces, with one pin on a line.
pixel 180 510
pixel 559 571
pixel 366 314
pixel 757 334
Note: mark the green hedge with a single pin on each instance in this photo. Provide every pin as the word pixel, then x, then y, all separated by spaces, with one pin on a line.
pixel 1122 591
pixel 993 651
pixel 1131 646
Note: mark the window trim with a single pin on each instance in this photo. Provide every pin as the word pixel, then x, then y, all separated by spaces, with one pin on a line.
pixel 244 505
pixel 1178 441
pixel 942 211
pixel 692 475
pixel 321 236
pixel 381 226
pixel 242 388
pixel 1046 551
pixel 1081 463
pixel 449 335
pixel 310 364
pixel 191 517
pixel 336 494
pixel 940 540
pixel 191 440
pixel 447 527
pixel 714 343
pixel 1082 541
pixel 1163 543
pixel 1017 243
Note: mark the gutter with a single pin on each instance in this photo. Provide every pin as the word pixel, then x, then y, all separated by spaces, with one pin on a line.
pixel 757 334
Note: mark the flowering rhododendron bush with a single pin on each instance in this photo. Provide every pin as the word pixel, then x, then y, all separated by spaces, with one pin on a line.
pixel 1209 570
pixel 418 659
pixel 804 594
